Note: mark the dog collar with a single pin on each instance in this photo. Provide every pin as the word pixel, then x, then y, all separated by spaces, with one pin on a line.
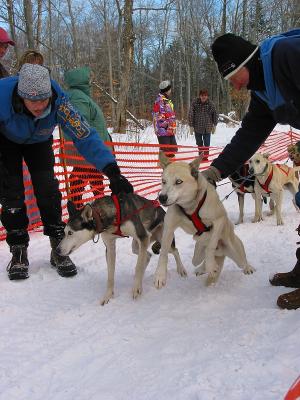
pixel 195 218
pixel 98 220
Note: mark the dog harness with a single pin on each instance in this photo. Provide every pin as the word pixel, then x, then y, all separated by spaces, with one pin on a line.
pixel 119 221
pixel 195 218
pixel 265 185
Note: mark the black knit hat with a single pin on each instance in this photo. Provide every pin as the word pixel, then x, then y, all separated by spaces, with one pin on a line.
pixel 231 53
pixel 164 86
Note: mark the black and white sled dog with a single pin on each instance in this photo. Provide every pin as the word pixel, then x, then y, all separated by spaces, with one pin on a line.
pixel 243 182
pixel 114 217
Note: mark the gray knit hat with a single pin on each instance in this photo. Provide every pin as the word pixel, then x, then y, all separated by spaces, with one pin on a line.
pixel 34 82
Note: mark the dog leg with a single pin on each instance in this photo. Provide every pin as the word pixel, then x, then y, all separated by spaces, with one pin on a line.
pixel 160 276
pixel 235 250
pixel 179 266
pixel 272 207
pixel 141 265
pixel 110 244
pixel 241 200
pixel 212 279
pixel 278 204
pixel 211 264
pixel 258 208
pixel 199 253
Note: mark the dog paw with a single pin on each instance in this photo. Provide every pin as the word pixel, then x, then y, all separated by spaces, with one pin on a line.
pixel 280 222
pixel 109 295
pixel 200 270
pixel 248 270
pixel 136 292
pixel 181 271
pixel 160 280
pixel 257 219
pixel 212 277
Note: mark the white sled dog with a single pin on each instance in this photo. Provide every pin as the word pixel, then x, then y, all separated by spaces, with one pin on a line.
pixel 272 179
pixel 194 205
pixel 114 217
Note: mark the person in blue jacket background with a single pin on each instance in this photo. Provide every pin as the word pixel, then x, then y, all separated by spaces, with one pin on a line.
pixel 31 106
pixel 271 72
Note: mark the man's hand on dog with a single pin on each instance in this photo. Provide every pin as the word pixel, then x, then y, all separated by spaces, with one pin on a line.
pixel 212 174
pixel 118 182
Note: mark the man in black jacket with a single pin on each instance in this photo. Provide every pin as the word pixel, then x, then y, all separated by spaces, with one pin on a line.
pixel 271 72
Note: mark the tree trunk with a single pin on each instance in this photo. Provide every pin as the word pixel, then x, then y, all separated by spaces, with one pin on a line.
pixel 27 5
pixel 126 65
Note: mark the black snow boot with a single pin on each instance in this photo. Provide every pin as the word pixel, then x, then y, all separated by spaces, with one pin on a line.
pixel 64 265
pixel 18 265
pixel 288 279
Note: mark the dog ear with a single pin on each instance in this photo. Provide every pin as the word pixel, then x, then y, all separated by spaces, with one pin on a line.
pixel 87 213
pixel 266 155
pixel 194 165
pixel 163 159
pixel 72 210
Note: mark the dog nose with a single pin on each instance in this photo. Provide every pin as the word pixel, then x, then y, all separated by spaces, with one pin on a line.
pixel 163 198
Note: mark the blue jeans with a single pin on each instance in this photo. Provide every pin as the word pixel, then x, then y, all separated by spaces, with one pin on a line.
pixel 203 140
pixel 297 199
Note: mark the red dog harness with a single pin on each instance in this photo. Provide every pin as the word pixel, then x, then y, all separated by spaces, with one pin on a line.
pixel 195 218
pixel 265 185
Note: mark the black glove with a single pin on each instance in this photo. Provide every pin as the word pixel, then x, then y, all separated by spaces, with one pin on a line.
pixel 118 182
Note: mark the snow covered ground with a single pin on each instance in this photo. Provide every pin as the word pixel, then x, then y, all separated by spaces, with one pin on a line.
pixel 184 342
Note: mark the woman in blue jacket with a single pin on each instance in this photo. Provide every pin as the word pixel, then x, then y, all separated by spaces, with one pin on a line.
pixel 271 72
pixel 31 105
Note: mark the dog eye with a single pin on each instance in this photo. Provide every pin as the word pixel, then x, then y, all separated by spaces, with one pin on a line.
pixel 70 233
pixel 257 161
pixel 163 182
pixel 178 181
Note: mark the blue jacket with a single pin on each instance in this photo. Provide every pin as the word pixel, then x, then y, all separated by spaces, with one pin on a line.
pixel 19 126
pixel 279 103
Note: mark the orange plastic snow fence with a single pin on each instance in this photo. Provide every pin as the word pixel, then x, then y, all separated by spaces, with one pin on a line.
pixel 294 392
pixel 82 183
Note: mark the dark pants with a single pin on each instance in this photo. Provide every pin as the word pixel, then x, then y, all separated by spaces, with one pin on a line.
pixel 39 158
pixel 203 140
pixel 168 140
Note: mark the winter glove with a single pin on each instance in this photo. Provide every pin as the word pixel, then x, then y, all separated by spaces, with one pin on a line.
pixel 213 129
pixel 191 130
pixel 212 174
pixel 118 182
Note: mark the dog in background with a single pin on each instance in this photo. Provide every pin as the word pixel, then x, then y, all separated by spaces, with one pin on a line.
pixel 193 205
pixel 272 179
pixel 243 183
pixel 114 217
pixel 294 155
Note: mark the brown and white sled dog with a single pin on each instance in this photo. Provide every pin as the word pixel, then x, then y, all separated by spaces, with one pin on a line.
pixel 272 179
pixel 193 205
pixel 114 217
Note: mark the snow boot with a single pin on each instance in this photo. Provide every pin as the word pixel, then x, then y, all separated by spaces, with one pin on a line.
pixel 64 265
pixel 288 279
pixel 18 265
pixel 289 301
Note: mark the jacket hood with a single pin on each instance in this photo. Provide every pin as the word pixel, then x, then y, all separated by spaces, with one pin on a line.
pixel 79 78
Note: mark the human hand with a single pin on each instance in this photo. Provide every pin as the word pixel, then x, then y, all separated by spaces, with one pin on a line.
pixel 118 183
pixel 212 174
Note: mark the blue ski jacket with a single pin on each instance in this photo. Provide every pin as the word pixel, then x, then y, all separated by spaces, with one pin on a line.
pixel 19 126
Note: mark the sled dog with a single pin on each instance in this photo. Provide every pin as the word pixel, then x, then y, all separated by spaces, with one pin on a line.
pixel 193 205
pixel 243 183
pixel 272 179
pixel 114 217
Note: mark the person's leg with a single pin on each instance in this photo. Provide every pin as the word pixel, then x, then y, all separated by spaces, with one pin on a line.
pixel 13 216
pixel 95 179
pixel 206 141
pixel 164 140
pixel 288 279
pixel 39 158
pixel 199 141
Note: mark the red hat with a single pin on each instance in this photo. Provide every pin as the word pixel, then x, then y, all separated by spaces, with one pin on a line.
pixel 4 38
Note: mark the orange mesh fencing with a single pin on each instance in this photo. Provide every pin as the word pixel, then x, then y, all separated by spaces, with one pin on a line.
pixel 81 182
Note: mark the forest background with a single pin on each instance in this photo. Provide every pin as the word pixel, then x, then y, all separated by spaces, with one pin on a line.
pixel 132 45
